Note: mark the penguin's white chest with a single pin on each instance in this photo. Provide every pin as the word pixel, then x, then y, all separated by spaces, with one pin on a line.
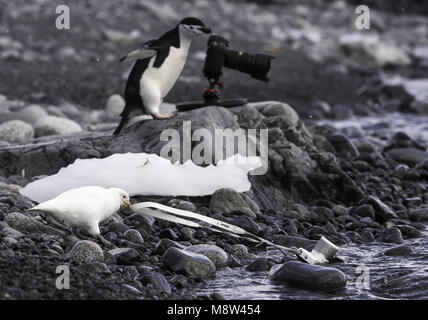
pixel 164 77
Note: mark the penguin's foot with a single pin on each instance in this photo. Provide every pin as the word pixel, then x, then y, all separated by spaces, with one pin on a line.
pixel 163 116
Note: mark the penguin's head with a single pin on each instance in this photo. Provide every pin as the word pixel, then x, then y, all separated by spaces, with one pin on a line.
pixel 194 26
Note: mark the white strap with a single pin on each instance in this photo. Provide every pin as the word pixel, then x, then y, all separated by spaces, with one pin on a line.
pixel 230 228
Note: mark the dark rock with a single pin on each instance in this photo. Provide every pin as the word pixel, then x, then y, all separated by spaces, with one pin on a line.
pixel 133 236
pixel 125 256
pixel 367 236
pixel 410 156
pixel 343 145
pixel 140 220
pixel 183 205
pixel 130 271
pixel 392 235
pixel 189 263
pixel 95 267
pixel 420 214
pixel 118 228
pixel 290 241
pixel 409 232
pixel 228 200
pixel 260 265
pixel 365 210
pixel 382 212
pixel 399 251
pixel 187 233
pixel 86 251
pixel 156 280
pixel 169 234
pixel 164 244
pixel 311 277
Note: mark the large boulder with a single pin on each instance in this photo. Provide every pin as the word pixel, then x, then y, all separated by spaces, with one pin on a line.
pixel 310 277
pixel 228 200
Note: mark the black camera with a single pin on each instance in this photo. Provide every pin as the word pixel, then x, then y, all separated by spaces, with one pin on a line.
pixel 218 55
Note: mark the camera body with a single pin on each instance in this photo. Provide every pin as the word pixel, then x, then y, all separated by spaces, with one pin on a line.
pixel 219 56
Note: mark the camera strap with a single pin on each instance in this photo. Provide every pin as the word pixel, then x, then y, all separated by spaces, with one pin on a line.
pixel 167 213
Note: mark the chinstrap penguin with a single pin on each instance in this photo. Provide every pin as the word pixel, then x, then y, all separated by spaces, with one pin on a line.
pixel 158 66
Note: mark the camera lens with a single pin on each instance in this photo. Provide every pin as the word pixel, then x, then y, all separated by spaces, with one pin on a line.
pixel 256 65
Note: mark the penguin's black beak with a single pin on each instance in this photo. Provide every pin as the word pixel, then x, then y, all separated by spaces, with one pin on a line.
pixel 205 29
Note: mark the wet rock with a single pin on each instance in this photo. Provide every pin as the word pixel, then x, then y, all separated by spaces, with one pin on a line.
pixel 365 210
pixel 156 280
pixel 189 263
pixel 114 106
pixel 133 236
pixel 216 254
pixel 367 236
pixel 52 125
pixel 410 156
pixel 392 235
pixel 240 250
pixel 382 212
pixel 169 234
pixel 260 265
pixel 164 244
pixel 409 232
pixel 420 214
pixel 310 277
pixel 340 210
pixel 290 241
pixel 399 251
pixel 16 131
pixel 343 145
pixel 227 200
pixel 125 256
pixel 86 251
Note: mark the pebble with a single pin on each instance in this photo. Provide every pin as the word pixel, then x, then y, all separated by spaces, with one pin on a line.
pixel 125 256
pixel 260 265
pixel 16 131
pixel 399 251
pixel 86 251
pixel 157 280
pixel 216 254
pixel 392 235
pixel 133 236
pixel 189 263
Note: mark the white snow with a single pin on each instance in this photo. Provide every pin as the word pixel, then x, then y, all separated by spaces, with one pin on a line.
pixel 146 174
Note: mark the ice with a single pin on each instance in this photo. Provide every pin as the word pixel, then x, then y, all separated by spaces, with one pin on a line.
pixel 146 174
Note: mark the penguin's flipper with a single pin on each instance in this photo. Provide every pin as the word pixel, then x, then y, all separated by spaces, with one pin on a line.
pixel 148 50
pixel 139 54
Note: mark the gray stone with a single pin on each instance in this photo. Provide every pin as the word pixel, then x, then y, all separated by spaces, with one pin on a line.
pixel 227 200
pixel 16 131
pixel 86 251
pixel 410 156
pixel 26 224
pixel 125 256
pixel 260 265
pixel 189 263
pixel 183 205
pixel 240 250
pixel 382 212
pixel 156 280
pixel 114 106
pixel 311 277
pixel 410 232
pixel 133 236
pixel 11 233
pixel 420 214
pixel 392 235
pixel 52 125
pixel 399 251
pixel 164 244
pixel 216 254
pixel 290 241
pixel 33 112
pixel 281 109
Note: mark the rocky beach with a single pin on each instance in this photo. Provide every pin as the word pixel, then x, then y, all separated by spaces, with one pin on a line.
pixel 346 113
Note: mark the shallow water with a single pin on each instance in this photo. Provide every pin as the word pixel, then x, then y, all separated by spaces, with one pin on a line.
pixel 388 277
